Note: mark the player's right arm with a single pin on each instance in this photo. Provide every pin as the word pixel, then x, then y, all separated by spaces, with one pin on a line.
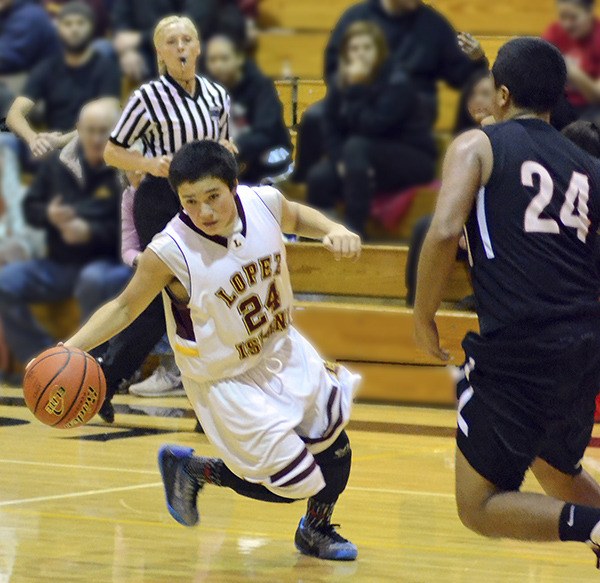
pixel 149 279
pixel 467 167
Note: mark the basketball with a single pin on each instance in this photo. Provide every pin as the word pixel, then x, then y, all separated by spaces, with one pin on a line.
pixel 64 387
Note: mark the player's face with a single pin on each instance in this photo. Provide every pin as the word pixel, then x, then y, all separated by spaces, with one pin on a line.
pixel 362 48
pixel 576 20
pixel 210 204
pixel 179 48
pixel 75 32
pixel 223 62
pixel 480 103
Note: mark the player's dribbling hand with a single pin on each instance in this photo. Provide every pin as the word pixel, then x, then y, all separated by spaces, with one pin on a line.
pixel 342 243
pixel 428 339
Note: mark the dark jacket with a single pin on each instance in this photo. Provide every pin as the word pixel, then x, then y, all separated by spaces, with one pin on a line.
pixel 388 108
pixel 257 114
pixel 95 195
pixel 27 36
pixel 423 41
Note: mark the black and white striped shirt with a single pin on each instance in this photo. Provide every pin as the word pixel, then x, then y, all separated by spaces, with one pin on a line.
pixel 164 116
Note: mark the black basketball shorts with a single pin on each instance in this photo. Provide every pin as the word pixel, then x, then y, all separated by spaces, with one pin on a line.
pixel 523 396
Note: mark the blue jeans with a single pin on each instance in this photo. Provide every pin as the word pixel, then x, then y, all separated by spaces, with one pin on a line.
pixel 42 280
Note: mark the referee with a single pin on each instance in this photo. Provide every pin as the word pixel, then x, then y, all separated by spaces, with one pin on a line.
pixel 176 108
pixel 165 114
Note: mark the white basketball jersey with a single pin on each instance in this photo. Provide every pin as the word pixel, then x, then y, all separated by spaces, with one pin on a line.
pixel 239 288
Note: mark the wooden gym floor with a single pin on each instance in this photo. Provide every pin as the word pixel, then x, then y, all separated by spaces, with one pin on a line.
pixel 87 505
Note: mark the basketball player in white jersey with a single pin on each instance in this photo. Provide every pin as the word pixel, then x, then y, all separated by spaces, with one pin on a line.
pixel 266 400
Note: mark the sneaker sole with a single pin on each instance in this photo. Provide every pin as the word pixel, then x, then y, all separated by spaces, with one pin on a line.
pixel 176 393
pixel 179 453
pixel 340 557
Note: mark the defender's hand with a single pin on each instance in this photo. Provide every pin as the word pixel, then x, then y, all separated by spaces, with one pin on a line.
pixel 342 243
pixel 428 339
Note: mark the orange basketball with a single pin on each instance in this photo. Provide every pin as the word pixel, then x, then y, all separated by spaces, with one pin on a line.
pixel 64 387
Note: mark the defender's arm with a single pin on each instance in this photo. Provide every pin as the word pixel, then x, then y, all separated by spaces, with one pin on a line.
pixel 467 167
pixel 150 277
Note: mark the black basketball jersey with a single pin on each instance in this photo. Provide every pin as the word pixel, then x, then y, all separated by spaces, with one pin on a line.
pixel 532 232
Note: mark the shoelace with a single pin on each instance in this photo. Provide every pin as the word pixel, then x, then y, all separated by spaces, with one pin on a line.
pixel 329 531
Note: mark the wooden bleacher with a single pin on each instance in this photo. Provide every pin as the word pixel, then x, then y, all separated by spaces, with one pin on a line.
pixel 375 338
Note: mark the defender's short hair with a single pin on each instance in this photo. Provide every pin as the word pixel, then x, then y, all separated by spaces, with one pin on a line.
pixel 203 159
pixel 534 72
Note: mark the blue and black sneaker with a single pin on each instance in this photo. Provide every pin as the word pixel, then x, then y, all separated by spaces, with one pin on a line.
pixel 181 489
pixel 324 542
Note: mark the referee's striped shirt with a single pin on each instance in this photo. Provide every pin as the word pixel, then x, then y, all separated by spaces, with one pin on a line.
pixel 164 116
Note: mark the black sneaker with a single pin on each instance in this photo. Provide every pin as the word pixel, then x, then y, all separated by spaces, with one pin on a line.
pixel 324 543
pixel 181 490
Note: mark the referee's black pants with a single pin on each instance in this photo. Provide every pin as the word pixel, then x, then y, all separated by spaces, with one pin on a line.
pixel 154 205
pixel 370 165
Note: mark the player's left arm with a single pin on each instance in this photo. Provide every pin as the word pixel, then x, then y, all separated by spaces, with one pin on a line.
pixel 308 222
pixel 467 167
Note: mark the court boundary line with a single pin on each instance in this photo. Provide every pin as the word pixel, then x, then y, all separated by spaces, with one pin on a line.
pixel 19 501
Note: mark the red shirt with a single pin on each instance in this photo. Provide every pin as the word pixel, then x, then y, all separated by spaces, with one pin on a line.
pixel 585 52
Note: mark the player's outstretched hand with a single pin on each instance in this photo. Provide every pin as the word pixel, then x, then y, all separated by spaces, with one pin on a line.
pixel 428 339
pixel 342 243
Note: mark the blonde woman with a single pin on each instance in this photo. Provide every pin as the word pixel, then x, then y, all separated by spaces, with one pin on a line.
pixel 166 113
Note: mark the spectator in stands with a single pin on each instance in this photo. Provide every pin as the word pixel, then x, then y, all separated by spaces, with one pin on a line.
pixel 18 241
pixel 475 107
pixel 377 136
pixel 27 36
pixel 256 118
pixel 420 39
pixel 99 8
pixel 577 35
pixel 64 83
pixel 134 21
pixel 74 198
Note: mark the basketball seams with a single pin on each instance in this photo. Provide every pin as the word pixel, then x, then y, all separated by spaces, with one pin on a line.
pixel 65 416
pixel 62 368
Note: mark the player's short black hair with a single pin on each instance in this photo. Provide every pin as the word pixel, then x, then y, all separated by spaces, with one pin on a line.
pixel 586 134
pixel 203 159
pixel 534 72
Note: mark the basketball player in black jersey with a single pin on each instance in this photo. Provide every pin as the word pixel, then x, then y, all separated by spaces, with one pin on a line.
pixel 530 200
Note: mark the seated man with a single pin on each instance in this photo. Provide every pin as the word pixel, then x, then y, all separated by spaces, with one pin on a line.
pixel 84 75
pixel 75 199
pixel 257 125
pixel 26 36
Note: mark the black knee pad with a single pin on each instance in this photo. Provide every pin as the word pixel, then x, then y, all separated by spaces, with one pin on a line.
pixel 335 463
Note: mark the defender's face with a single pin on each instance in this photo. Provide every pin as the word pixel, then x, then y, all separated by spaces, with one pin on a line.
pixel 210 204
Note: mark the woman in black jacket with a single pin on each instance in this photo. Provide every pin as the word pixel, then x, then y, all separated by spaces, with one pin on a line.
pixel 376 135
